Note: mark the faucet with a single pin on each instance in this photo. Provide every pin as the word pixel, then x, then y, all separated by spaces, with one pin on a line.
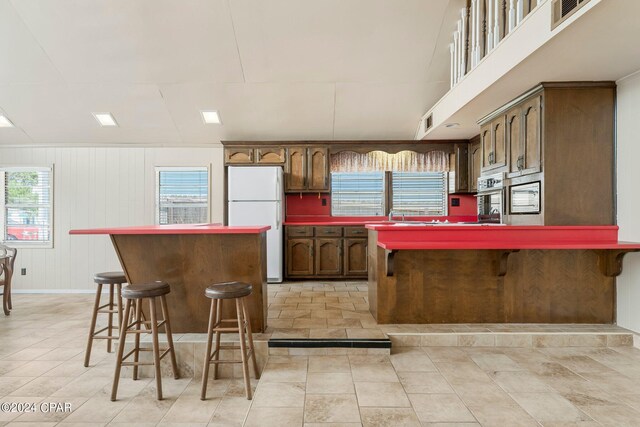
pixel 391 216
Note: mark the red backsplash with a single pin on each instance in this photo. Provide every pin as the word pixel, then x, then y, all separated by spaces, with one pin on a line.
pixel 311 205
pixel 468 205
pixel 308 204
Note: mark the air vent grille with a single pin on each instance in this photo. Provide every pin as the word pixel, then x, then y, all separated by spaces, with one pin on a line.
pixel 428 122
pixel 562 9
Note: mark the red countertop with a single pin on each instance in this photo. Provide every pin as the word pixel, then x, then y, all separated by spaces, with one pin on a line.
pixel 175 229
pixel 415 237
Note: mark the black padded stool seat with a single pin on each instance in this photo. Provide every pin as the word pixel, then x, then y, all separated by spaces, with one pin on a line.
pixel 145 290
pixel 228 290
pixel 110 277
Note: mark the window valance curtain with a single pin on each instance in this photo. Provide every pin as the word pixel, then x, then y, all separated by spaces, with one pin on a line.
pixel 379 161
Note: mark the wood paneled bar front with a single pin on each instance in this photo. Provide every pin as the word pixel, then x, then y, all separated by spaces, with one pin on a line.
pixel 190 258
pixel 494 274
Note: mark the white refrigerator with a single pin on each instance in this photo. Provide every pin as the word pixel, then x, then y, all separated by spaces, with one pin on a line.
pixel 255 197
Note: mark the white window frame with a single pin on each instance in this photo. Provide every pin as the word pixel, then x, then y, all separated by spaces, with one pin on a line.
pixel 159 169
pixel 3 230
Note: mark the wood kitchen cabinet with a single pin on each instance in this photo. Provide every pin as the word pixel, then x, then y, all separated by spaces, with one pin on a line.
pixel 459 169
pixel 326 251
pixel 318 169
pixel 300 256
pixel 560 154
pixel 250 155
pixel 270 155
pixel 475 163
pixel 296 170
pixel 328 257
pixel 523 137
pixel 238 155
pixel 494 146
pixel 355 257
pixel 307 169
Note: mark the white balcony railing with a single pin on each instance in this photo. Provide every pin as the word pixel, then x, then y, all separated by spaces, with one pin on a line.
pixel 482 24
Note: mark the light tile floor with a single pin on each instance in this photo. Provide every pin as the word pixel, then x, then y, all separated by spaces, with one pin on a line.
pixel 42 347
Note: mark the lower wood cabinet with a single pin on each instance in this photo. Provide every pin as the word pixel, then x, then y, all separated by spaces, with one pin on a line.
pixel 318 255
pixel 355 257
pixel 300 254
pixel 328 255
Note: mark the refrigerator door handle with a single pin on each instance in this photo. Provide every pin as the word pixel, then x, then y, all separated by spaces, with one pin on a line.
pixel 278 193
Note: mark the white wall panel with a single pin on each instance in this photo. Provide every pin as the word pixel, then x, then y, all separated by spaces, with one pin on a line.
pixel 628 176
pixel 99 187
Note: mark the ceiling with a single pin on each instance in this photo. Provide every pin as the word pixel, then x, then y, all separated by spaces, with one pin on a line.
pixel 278 69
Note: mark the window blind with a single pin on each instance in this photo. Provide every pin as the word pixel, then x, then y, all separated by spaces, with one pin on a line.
pixel 419 193
pixel 28 208
pixel 357 194
pixel 182 195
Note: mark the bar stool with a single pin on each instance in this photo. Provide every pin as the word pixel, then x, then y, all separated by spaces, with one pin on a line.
pixel 111 278
pixel 217 293
pixel 137 293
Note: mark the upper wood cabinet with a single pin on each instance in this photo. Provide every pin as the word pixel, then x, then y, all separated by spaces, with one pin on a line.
pixel 307 169
pixel 296 173
pixel 459 169
pixel 238 155
pixel 524 137
pixel 532 134
pixel 251 155
pixel 270 155
pixel 318 169
pixel 475 163
pixel 494 149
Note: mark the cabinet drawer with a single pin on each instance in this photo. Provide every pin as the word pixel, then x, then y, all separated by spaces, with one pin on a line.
pixel 300 231
pixel 355 232
pixel 328 231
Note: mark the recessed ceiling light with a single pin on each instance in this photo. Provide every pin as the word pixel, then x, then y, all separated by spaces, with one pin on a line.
pixel 211 117
pixel 5 122
pixel 452 125
pixel 105 119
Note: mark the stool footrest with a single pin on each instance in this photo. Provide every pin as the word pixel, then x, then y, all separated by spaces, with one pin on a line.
pixel 248 354
pixel 146 324
pixel 163 354
pixel 102 330
pixel 107 337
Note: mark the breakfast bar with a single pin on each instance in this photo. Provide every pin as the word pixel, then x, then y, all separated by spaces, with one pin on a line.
pixel 494 273
pixel 190 258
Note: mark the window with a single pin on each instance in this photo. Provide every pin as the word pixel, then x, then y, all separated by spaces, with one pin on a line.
pixel 357 194
pixel 182 195
pixel 27 205
pixel 377 193
pixel 419 193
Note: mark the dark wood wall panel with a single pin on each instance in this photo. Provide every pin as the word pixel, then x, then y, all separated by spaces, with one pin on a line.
pixel 464 286
pixel 190 263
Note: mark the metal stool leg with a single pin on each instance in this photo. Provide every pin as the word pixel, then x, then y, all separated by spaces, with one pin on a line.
pixel 207 355
pixel 123 337
pixel 92 328
pixel 243 350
